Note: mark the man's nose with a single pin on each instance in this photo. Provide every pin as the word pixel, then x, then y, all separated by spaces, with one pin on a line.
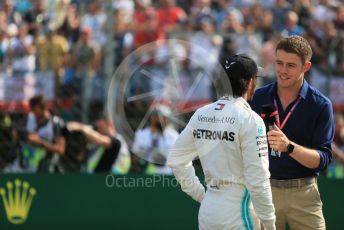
pixel 284 69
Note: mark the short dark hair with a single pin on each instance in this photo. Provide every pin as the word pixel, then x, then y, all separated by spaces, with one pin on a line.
pixel 297 45
pixel 240 69
pixel 38 100
pixel 102 116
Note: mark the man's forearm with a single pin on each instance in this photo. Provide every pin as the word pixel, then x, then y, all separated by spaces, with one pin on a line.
pixel 96 137
pixel 56 148
pixel 309 158
pixel 189 182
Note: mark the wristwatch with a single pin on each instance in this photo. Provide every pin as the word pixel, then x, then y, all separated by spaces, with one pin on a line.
pixel 290 148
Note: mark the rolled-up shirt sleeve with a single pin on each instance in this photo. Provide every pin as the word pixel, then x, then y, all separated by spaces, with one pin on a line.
pixel 323 136
pixel 180 160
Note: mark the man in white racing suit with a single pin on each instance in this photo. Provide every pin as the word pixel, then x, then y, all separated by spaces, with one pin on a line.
pixel 230 141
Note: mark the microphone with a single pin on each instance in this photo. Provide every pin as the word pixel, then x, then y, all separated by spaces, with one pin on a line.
pixel 269 115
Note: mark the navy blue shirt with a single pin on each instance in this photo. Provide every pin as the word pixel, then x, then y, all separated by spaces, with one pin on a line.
pixel 310 125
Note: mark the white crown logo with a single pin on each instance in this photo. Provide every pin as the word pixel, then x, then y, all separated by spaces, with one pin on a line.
pixel 17 200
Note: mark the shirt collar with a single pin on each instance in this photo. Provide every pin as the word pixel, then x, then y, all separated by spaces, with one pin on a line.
pixel 237 99
pixel 243 101
pixel 303 91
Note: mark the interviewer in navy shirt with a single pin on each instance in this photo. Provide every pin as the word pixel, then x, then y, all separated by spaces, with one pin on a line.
pixel 302 137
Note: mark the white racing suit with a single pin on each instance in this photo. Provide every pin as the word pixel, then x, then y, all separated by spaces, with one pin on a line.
pixel 230 141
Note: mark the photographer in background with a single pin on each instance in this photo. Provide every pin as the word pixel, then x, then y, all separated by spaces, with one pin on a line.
pixel 153 142
pixel 74 157
pixel 105 136
pixel 8 142
pixel 44 132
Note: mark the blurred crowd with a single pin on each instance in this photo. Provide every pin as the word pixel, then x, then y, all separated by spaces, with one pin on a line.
pixel 67 36
pixel 81 41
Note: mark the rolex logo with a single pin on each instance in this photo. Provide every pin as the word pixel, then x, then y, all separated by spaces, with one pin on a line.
pixel 17 200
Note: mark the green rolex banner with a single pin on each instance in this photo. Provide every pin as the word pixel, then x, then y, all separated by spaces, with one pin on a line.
pixel 84 201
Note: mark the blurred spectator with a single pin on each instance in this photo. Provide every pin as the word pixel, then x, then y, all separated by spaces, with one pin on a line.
pixel 338 153
pixel 324 11
pixel 106 137
pixel 315 43
pixel 127 7
pixel 266 3
pixel 339 19
pixel 304 9
pixel 122 163
pixel 186 5
pixel 268 56
pixel 86 57
pixel 21 50
pixel 11 15
pixel 339 129
pixel 3 21
pixel 204 47
pixel 200 12
pixel 253 16
pixel 3 49
pixel 74 157
pixel 153 142
pixel 279 12
pixel 45 131
pixel 233 23
pixel 243 4
pixel 71 24
pixel 124 39
pixel 36 18
pixel 8 142
pixel 23 6
pixel 291 26
pixel 95 19
pixel 169 15
pixel 86 52
pixel 336 169
pixel 223 8
pixel 146 31
pixel 331 45
pixel 145 27
pixel 249 44
pixel 57 11
pixel 264 25
pixel 52 49
pixel 250 14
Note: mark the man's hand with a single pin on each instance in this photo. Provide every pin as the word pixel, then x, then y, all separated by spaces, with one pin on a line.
pixel 34 138
pixel 278 141
pixel 74 126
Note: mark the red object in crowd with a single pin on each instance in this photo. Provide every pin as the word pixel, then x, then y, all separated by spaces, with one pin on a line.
pixel 147 31
pixel 24 107
pixel 169 16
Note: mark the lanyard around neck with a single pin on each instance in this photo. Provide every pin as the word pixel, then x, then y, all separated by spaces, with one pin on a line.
pixel 281 126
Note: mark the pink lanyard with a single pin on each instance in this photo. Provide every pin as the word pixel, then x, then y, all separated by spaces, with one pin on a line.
pixel 288 115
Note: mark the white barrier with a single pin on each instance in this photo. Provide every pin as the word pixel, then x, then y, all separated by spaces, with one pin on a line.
pixel 22 88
